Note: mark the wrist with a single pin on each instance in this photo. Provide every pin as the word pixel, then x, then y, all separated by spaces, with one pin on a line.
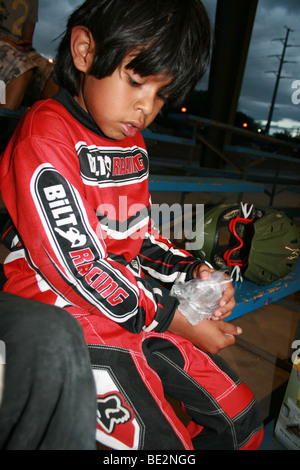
pixel 181 327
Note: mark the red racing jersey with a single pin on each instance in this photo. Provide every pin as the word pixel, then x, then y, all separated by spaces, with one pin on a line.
pixel 81 235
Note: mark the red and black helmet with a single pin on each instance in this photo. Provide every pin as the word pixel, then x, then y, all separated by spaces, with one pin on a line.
pixel 261 245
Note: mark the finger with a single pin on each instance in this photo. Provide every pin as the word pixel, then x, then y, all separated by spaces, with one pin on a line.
pixel 227 309
pixel 203 271
pixel 228 293
pixel 230 329
pixel 228 335
pixel 219 315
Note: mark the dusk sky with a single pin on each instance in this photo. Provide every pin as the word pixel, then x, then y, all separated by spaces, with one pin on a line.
pixel 272 19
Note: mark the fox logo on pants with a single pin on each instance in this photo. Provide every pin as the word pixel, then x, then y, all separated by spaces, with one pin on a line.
pixel 111 412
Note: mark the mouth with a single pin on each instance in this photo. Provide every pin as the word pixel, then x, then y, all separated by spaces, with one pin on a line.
pixel 130 129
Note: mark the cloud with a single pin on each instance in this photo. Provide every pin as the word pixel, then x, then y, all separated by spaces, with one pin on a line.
pixel 52 21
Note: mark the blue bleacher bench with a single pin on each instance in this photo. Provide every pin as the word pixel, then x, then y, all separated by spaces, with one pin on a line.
pixel 147 134
pixel 250 296
pixel 201 184
pixel 9 113
pixel 261 154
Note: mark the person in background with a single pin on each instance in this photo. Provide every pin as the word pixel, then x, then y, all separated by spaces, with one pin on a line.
pixel 23 70
pixel 47 390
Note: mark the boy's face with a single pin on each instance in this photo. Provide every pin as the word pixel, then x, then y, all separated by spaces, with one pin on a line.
pixel 123 103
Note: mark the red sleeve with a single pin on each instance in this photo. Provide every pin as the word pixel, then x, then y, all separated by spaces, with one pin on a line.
pixel 60 232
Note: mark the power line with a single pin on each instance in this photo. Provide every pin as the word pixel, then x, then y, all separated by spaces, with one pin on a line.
pixel 279 76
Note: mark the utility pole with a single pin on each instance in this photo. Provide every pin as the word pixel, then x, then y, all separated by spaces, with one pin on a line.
pixel 285 45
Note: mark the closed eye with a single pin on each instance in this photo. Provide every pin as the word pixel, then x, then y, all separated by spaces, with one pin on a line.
pixel 140 82
pixel 133 82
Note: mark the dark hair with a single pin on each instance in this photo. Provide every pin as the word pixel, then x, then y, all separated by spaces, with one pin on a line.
pixel 171 36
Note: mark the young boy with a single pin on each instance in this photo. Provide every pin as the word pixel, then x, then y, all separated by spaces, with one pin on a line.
pixel 75 182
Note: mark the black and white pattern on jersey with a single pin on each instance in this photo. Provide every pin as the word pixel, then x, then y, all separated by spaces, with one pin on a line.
pixel 123 230
pixel 107 166
pixel 77 252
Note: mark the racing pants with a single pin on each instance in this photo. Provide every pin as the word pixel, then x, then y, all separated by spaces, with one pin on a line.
pixel 135 373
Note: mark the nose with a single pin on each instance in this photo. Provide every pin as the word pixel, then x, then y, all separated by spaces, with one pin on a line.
pixel 146 103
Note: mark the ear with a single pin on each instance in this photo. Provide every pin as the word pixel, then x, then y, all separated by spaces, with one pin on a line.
pixel 82 48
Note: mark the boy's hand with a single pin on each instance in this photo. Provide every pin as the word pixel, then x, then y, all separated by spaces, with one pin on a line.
pixel 227 302
pixel 209 336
